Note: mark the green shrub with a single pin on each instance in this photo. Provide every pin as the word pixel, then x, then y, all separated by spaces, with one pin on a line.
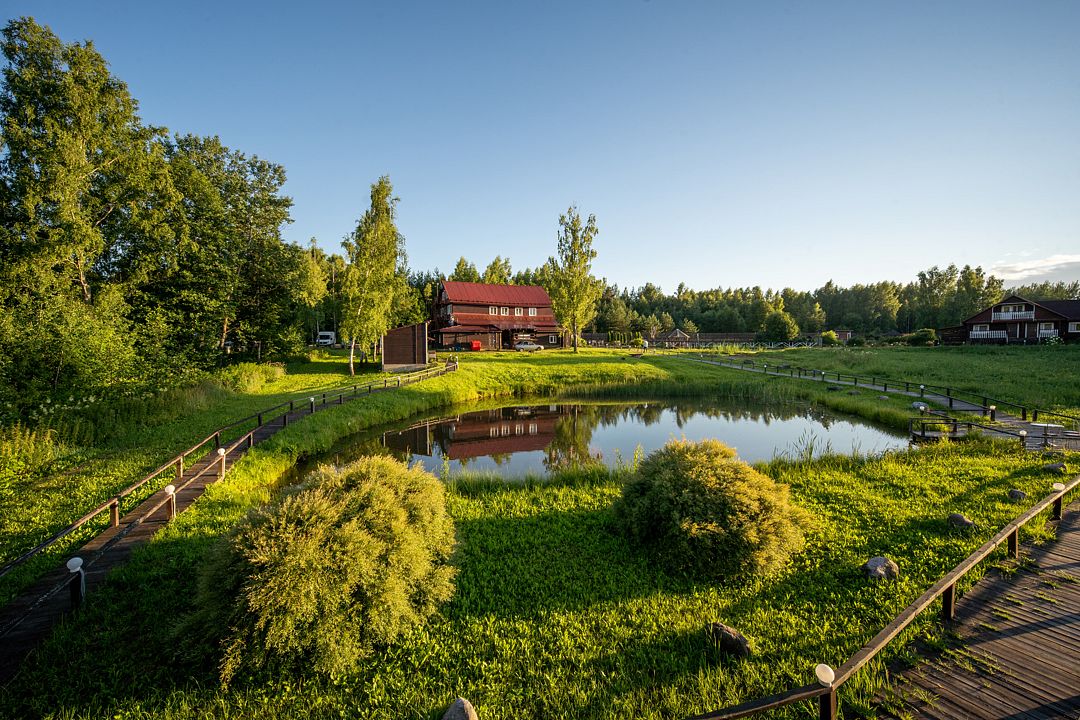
pixel 856 342
pixel 250 377
pixel 829 338
pixel 340 565
pixel 702 511
pixel 925 336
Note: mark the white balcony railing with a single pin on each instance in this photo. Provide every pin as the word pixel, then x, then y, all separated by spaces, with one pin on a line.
pixel 1048 333
pixel 1009 316
pixel 988 335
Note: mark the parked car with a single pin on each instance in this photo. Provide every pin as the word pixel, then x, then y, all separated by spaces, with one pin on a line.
pixel 326 339
pixel 527 346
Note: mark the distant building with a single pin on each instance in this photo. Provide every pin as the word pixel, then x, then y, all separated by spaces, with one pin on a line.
pixel 405 347
pixel 495 316
pixel 1019 320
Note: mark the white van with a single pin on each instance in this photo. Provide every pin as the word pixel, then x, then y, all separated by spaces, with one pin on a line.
pixel 326 339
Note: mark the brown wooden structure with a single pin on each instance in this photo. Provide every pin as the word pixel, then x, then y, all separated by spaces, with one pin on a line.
pixel 496 316
pixel 405 347
pixel 1019 320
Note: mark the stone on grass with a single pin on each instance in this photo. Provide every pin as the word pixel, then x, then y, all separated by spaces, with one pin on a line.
pixel 833 388
pixel 960 521
pixel 728 639
pixel 1058 467
pixel 852 392
pixel 1015 494
pixel 920 406
pixel 881 568
pixel 460 709
pixel 882 397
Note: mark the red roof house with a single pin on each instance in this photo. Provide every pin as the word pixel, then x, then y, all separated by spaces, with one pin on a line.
pixel 496 316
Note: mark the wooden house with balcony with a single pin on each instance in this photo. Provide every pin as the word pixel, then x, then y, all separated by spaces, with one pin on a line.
pixel 1019 320
pixel 494 317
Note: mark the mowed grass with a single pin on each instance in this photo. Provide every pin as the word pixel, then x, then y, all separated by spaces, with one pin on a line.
pixel 1040 376
pixel 556 615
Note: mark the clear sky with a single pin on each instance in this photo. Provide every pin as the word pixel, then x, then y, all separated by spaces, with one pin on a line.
pixel 718 143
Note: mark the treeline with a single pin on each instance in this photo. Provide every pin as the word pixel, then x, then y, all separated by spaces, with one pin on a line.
pixel 937 298
pixel 131 257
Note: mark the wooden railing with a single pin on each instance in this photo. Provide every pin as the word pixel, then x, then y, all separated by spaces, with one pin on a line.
pixel 949 394
pixel 825 690
pixel 261 418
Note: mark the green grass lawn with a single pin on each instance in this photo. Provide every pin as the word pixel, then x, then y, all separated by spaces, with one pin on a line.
pixel 1042 376
pixel 136 437
pixel 556 615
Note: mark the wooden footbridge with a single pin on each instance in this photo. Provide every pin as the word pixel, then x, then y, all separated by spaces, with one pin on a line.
pixel 30 617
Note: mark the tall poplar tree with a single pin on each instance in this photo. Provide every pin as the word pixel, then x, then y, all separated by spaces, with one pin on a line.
pixel 574 291
pixel 375 251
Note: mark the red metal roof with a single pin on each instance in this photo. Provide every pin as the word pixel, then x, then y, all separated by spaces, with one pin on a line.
pixel 483 294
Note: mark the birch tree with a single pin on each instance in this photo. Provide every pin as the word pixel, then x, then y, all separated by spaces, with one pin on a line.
pixel 375 250
pixel 574 291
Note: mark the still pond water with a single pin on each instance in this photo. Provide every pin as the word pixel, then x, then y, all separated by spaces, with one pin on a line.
pixel 517 439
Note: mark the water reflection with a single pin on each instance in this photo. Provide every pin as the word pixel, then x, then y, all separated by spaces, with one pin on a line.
pixel 543 438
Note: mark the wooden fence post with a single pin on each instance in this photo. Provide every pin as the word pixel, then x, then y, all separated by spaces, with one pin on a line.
pixel 221 467
pixel 827 706
pixel 1014 544
pixel 114 512
pixel 948 603
pixel 170 505
pixel 77 584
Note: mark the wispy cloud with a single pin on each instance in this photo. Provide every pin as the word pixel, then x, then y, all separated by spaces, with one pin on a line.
pixel 1052 268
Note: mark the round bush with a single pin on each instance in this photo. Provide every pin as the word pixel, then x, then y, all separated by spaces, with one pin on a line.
pixel 338 566
pixel 701 511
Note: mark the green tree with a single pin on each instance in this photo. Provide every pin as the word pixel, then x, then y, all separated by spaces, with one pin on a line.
pixel 498 272
pixel 780 327
pixel 688 326
pixel 464 271
pixel 374 249
pixel 574 291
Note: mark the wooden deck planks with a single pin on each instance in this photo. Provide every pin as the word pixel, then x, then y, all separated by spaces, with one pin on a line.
pixel 1018 654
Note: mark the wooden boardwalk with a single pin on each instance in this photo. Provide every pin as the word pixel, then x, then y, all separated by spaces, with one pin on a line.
pixel 28 619
pixel 1017 655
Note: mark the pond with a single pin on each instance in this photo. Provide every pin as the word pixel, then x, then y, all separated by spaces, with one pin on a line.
pixel 519 439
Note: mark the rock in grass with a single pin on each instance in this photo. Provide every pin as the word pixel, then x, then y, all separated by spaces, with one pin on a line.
pixel 882 397
pixel 960 521
pixel 1058 467
pixel 460 709
pixel 728 639
pixel 921 407
pixel 881 568
pixel 1015 494
pixel 852 392
pixel 834 388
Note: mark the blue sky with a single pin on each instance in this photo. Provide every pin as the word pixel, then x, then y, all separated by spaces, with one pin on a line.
pixel 718 143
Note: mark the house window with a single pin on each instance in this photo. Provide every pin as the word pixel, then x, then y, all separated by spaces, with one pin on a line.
pixel 551 339
pixel 1074 327
pixel 532 426
pixel 504 311
pixel 493 431
pixel 519 429
pixel 1046 326
pixel 981 328
pixel 518 312
pixel 532 312
pixel 493 310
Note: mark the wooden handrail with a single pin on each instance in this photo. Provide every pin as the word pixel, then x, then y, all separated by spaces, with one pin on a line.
pixel 178 460
pixel 984 401
pixel 946 586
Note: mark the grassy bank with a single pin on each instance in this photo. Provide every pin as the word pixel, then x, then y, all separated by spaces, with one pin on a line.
pixel 38 504
pixel 1042 376
pixel 555 615
pixel 85 453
